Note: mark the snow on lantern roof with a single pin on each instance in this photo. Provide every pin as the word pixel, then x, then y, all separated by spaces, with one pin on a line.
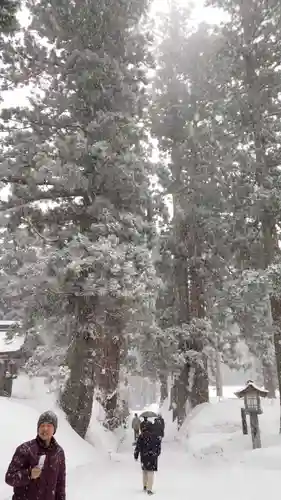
pixel 9 345
pixel 6 324
pixel 12 345
pixel 251 386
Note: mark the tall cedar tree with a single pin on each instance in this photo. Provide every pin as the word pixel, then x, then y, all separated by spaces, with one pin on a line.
pixel 201 169
pixel 183 121
pixel 250 53
pixel 77 214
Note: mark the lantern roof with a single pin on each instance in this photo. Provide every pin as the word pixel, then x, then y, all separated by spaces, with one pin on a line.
pixel 251 387
pixel 9 345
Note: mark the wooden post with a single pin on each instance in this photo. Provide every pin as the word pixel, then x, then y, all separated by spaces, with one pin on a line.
pixel 219 387
pixel 244 421
pixel 8 386
pixel 255 430
pixel 2 375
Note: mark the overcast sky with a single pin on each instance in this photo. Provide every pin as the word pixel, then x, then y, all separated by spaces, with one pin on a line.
pixel 200 13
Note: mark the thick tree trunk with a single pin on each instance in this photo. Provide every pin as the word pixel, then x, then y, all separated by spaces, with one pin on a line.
pixel 173 401
pixel 200 387
pixel 190 300
pixel 191 304
pixel 181 287
pixel 276 316
pixel 183 316
pixel 7 387
pixel 108 378
pixel 197 303
pixel 181 276
pixel 218 374
pixel 181 392
pixel 269 380
pixel 77 398
pixel 163 387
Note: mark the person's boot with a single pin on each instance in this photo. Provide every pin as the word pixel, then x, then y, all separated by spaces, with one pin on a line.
pixel 149 492
pixel 144 488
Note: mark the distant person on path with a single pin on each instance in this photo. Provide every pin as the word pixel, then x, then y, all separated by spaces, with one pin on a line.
pixel 149 448
pixel 37 469
pixel 159 426
pixel 136 426
pixel 143 424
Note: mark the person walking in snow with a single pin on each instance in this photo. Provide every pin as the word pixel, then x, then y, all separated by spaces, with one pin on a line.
pixel 149 448
pixel 159 426
pixel 144 424
pixel 37 469
pixel 136 427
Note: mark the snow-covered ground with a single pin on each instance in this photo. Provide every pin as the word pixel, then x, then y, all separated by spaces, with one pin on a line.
pixel 208 458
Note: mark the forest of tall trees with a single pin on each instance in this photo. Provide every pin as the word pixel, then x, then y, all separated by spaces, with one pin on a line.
pixel 111 261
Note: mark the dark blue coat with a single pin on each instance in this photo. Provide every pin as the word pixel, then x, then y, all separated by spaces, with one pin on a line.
pixel 149 448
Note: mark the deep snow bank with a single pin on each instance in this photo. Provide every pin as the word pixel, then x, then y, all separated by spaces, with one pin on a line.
pixel 102 439
pixel 35 393
pixel 18 423
pixel 214 431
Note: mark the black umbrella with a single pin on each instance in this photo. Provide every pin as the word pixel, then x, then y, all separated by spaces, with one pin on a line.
pixel 148 414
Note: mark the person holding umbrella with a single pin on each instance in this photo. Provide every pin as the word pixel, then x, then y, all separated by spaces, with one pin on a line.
pixel 149 448
pixel 143 423
pixel 159 426
pixel 146 415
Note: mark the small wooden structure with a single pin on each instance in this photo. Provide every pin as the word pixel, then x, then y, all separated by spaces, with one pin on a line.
pixel 252 395
pixel 10 354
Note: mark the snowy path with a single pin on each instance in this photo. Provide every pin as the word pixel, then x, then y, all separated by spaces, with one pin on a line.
pixel 237 475
pixel 180 476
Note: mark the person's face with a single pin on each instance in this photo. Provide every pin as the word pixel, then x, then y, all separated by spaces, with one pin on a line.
pixel 46 431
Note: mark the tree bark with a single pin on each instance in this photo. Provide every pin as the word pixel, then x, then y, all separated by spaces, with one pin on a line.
pixel 219 382
pixel 107 372
pixel 163 387
pixel 181 392
pixel 200 387
pixel 183 316
pixel 77 398
pixel 269 380
pixel 173 401
pixel 276 316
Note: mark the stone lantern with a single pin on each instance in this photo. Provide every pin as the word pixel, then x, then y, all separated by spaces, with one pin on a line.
pixel 252 395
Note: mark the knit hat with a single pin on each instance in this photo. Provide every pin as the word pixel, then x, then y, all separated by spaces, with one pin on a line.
pixel 48 417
